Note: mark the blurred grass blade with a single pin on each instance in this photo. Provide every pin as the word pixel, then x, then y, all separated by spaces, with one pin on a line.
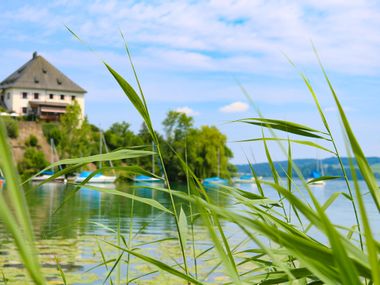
pixel 163 266
pixel 147 201
pixel 361 159
pixel 323 178
pixel 372 249
pixel 285 126
pixel 16 219
pixel 301 142
pixel 60 271
pixel 182 226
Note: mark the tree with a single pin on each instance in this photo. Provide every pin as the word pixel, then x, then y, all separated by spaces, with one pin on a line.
pixel 33 161
pixel 77 138
pixel 119 135
pixel 203 149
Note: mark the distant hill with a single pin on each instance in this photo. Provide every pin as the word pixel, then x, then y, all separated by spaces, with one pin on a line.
pixel 330 165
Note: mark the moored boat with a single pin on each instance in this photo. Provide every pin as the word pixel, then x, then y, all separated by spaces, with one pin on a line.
pixel 97 178
pixel 46 175
pixel 245 179
pixel 216 180
pixel 145 178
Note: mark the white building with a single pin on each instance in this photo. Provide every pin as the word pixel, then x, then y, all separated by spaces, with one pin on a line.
pixel 39 89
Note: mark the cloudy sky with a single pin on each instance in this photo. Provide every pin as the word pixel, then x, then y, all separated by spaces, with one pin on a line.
pixel 193 56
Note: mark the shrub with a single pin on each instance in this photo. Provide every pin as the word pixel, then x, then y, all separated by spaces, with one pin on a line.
pixel 11 126
pixel 52 131
pixel 31 141
pixel 33 161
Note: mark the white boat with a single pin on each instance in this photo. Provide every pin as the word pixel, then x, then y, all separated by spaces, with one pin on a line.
pixel 245 179
pixel 98 178
pixel 46 175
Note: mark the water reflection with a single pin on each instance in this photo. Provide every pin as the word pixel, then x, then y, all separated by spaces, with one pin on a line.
pixel 67 223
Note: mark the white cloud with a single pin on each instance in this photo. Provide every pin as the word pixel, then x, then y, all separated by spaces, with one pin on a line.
pixel 221 35
pixel 186 110
pixel 236 107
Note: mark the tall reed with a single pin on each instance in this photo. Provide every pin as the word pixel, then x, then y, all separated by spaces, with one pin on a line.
pixel 275 244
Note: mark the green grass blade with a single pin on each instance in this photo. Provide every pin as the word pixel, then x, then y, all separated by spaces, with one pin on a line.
pixel 285 126
pixel 147 201
pixel 323 178
pixel 301 142
pixel 161 265
pixel 17 220
pixel 183 227
pixel 360 157
pixel 61 271
pixel 372 249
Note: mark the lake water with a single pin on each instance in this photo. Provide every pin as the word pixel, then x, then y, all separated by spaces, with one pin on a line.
pixel 73 231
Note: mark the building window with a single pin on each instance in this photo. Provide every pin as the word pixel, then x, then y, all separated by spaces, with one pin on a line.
pixel 62 97
pixel 72 98
pixel 51 96
pixel 24 95
pixel 24 110
pixel 36 95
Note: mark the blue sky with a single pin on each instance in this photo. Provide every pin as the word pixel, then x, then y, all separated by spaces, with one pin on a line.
pixel 190 55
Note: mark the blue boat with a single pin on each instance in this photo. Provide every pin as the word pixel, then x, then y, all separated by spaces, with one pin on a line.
pixel 144 178
pixel 214 181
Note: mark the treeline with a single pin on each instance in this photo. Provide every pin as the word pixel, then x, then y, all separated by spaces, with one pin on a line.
pixel 330 166
pixel 204 149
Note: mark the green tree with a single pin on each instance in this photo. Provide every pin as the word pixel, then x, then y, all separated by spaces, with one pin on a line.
pixel 33 161
pixel 210 153
pixel 119 135
pixel 204 149
pixel 52 131
pixel 77 135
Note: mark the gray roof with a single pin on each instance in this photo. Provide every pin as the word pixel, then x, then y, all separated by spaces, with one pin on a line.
pixel 38 73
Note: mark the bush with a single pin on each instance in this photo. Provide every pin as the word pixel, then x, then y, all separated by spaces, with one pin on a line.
pixel 11 126
pixel 52 131
pixel 31 141
pixel 33 161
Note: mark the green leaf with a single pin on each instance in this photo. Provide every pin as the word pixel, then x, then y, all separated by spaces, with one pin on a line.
pixel 323 178
pixel 182 226
pixel 306 143
pixel 163 266
pixel 289 127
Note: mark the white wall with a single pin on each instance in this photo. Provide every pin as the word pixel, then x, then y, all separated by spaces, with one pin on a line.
pixel 16 101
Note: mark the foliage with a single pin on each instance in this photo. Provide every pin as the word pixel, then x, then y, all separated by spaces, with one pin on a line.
pixel 119 135
pixel 52 131
pixel 31 141
pixel 32 162
pixel 77 138
pixel 276 242
pixel 331 167
pixel 11 126
pixel 204 149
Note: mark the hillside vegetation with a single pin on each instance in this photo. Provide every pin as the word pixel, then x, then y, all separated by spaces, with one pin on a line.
pixel 330 166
